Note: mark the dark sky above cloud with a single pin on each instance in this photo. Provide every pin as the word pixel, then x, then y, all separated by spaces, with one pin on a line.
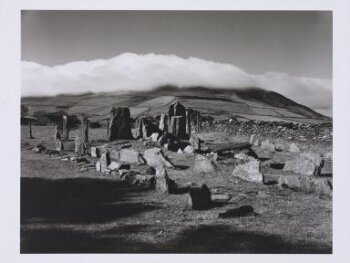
pixel 295 42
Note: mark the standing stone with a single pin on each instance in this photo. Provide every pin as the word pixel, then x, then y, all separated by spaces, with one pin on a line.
pixel 119 126
pixel 85 129
pixel 199 198
pixel 188 125
pixel 177 115
pixel 59 145
pixel 104 161
pixel 162 122
pixel 162 180
pixel 144 129
pixel 65 127
pixel 57 135
pixel 79 146
pixel 30 129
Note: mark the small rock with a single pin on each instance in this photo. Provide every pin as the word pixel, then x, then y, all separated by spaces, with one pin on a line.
pixel 294 148
pixel 155 136
pixel 189 149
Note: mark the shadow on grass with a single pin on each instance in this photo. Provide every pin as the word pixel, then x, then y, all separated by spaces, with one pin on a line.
pixel 77 200
pixel 203 239
pixel 82 201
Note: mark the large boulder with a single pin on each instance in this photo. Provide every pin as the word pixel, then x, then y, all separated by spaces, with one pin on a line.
pixel 205 163
pixel 307 183
pixel 306 164
pixel 247 168
pixel 155 158
pixel 131 156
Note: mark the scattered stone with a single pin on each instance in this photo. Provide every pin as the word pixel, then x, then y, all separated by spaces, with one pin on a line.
pixel 247 168
pixel 155 158
pixel 220 198
pixel 154 136
pixel 39 148
pixel 256 143
pixel 205 164
pixel 199 198
pixel 329 155
pixel 189 149
pixel 150 170
pixel 267 145
pixel 279 147
pixel 294 148
pixel 306 164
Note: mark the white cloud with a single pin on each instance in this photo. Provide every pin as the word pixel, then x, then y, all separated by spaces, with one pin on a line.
pixel 143 72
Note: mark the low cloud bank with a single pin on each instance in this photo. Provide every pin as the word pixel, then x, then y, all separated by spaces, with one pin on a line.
pixel 131 72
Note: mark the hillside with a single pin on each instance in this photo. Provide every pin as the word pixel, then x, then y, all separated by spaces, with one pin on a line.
pixel 250 104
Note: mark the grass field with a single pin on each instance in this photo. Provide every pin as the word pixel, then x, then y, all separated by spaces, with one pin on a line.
pixel 64 210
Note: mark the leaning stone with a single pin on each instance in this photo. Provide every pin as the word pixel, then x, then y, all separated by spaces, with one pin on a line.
pixel 306 164
pixel 205 164
pixel 131 156
pixel 199 198
pixel 195 142
pixel 155 157
pixel 294 148
pixel 247 168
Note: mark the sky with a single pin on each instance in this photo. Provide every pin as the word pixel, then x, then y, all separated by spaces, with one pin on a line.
pixel 289 52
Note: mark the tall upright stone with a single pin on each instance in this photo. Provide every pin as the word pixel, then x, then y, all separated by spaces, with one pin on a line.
pixel 163 122
pixel 85 129
pixel 65 127
pixel 188 124
pixel 177 115
pixel 119 126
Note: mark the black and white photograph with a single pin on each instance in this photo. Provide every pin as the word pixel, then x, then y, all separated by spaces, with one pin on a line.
pixel 176 132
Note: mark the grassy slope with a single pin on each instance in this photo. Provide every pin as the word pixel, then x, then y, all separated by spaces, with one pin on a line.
pixel 219 103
